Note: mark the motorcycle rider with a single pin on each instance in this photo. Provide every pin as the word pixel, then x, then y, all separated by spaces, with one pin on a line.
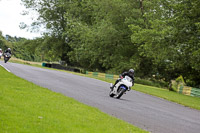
pixel 8 51
pixel 130 73
pixel 1 53
pixel 7 55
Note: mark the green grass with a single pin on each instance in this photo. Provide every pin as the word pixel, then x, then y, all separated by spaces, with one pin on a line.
pixel 189 101
pixel 26 107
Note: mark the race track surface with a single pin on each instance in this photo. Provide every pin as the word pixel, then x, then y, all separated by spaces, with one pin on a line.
pixel 147 112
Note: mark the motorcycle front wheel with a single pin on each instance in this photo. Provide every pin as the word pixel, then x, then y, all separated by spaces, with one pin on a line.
pixel 121 92
pixel 6 59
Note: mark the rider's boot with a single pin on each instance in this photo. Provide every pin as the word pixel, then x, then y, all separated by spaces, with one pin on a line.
pixel 112 87
pixel 115 84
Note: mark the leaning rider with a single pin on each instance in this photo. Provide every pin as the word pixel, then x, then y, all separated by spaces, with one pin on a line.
pixel 130 73
pixel 8 51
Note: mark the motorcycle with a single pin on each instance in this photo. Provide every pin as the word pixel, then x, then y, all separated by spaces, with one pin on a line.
pixel 121 87
pixel 7 56
pixel 1 54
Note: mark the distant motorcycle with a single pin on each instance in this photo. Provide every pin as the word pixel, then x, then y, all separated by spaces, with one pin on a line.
pixel 1 54
pixel 7 56
pixel 121 87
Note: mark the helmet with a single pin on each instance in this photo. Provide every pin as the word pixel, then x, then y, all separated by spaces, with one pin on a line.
pixel 9 49
pixel 131 72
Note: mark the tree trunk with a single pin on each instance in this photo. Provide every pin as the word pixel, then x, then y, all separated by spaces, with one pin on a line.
pixel 141 7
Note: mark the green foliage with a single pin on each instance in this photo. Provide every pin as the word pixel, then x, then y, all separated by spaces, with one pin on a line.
pixel 4 44
pixel 155 83
pixel 180 80
pixel 155 37
pixel 170 38
pixel 23 49
pixel 175 84
pixel 51 16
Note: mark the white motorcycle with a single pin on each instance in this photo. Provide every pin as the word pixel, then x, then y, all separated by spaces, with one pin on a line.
pixel 121 87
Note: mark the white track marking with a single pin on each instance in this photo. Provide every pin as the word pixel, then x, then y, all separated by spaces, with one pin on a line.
pixel 5 68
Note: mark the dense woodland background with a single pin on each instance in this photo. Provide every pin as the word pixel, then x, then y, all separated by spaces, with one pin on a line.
pixel 160 39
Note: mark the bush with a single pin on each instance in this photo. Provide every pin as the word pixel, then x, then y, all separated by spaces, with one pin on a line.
pixel 160 84
pixel 180 80
pixel 176 83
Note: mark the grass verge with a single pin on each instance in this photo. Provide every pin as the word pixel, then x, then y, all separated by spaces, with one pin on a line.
pixel 188 101
pixel 26 107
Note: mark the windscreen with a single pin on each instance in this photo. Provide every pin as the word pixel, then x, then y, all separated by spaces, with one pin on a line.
pixel 128 78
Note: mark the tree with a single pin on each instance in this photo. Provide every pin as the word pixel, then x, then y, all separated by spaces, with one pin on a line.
pixel 155 37
pixel 4 44
pixel 170 38
pixel 100 36
pixel 51 16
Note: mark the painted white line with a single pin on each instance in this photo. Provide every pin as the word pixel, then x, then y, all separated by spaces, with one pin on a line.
pixel 5 68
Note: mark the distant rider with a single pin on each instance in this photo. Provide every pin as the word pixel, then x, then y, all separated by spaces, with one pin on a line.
pixel 1 53
pixel 8 51
pixel 130 73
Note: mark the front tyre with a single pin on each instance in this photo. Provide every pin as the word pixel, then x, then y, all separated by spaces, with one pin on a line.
pixel 5 59
pixel 121 92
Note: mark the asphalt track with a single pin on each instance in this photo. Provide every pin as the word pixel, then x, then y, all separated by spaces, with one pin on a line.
pixel 147 112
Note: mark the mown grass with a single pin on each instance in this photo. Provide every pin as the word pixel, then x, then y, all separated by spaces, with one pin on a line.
pixel 189 101
pixel 26 107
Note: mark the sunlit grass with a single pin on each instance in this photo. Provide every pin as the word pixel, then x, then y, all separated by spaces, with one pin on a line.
pixel 189 101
